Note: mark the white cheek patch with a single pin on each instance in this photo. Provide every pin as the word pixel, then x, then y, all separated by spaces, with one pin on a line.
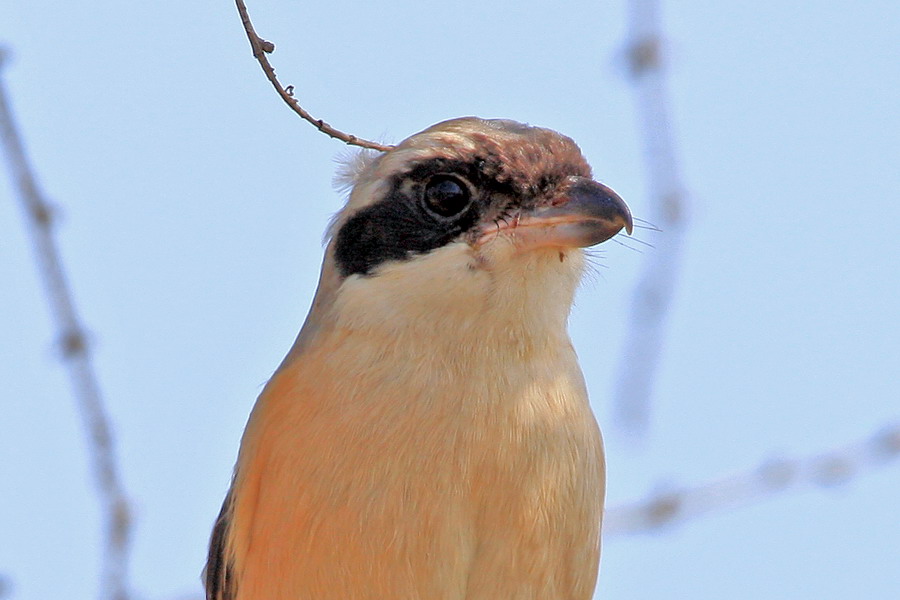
pixel 459 290
pixel 421 287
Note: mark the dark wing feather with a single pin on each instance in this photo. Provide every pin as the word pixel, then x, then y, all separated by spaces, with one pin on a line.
pixel 217 574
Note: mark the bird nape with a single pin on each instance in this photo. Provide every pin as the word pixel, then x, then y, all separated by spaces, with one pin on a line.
pixel 429 435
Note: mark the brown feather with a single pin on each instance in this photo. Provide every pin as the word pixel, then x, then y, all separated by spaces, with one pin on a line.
pixel 217 574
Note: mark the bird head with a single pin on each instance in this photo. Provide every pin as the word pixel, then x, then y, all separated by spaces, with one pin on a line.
pixel 471 224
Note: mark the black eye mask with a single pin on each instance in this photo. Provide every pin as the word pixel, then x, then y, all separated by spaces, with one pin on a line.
pixel 426 209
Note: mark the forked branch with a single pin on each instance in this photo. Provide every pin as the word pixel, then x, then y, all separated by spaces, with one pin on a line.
pixel 262 47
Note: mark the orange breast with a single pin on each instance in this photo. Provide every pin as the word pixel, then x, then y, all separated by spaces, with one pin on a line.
pixel 360 481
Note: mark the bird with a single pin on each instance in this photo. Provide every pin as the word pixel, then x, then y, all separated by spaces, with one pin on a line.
pixel 428 436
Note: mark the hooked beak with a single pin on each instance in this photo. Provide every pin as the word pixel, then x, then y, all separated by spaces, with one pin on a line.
pixel 584 214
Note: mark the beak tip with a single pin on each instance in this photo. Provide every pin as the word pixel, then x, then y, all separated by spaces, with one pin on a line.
pixel 624 213
pixel 618 207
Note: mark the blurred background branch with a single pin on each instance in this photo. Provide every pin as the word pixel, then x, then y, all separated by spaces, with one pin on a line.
pixel 76 355
pixel 652 296
pixel 834 467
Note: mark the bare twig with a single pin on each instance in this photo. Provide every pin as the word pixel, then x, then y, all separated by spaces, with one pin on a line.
pixel 262 47
pixel 653 514
pixel 654 291
pixel 77 358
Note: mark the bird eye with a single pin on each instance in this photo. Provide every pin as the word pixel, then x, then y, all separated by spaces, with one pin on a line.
pixel 446 196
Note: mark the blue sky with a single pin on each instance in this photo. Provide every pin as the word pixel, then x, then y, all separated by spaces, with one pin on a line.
pixel 193 205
